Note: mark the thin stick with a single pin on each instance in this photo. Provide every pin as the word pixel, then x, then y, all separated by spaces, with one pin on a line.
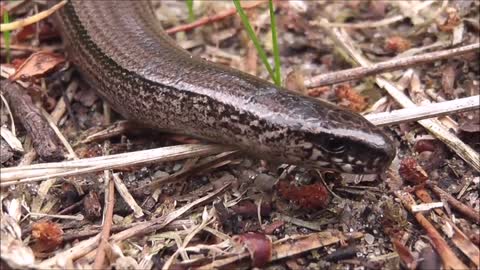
pixel 210 19
pixel 107 223
pixel 469 212
pixel 387 66
pixel 424 112
pixel 450 260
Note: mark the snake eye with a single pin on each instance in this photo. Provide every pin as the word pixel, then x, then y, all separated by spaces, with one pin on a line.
pixel 334 146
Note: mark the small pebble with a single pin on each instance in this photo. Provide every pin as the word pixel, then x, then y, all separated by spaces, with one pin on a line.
pixel 177 167
pixel 369 238
pixel 264 182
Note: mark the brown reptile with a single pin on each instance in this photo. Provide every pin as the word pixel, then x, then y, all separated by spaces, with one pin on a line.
pixel 122 51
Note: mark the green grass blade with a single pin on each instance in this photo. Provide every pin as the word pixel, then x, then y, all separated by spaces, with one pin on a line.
pixel 6 36
pixel 253 37
pixel 191 14
pixel 276 51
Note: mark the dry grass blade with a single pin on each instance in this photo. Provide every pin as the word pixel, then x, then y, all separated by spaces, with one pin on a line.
pixel 31 20
pixel 22 174
pixel 423 112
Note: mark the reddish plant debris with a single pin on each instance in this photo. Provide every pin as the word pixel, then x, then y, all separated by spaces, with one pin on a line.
pixel 274 226
pixel 248 208
pixel 47 235
pixel 453 20
pixel 91 206
pixel 318 91
pixel 37 65
pixel 46 32
pixel 313 196
pixel 89 151
pixel 350 98
pixel 424 145
pixel 412 172
pixel 405 254
pixel 258 245
pixel 397 44
pixel 17 62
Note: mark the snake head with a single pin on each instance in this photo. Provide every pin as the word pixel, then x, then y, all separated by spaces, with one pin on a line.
pixel 350 151
pixel 347 142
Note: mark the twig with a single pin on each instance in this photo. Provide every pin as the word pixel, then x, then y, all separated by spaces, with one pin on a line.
pixel 432 125
pixel 107 222
pixel 462 208
pixel 210 19
pixel 45 141
pixel 32 19
pixel 423 112
pixel 459 238
pixel 450 260
pixel 387 66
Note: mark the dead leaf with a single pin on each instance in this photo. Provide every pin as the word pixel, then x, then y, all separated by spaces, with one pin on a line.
pixel 37 65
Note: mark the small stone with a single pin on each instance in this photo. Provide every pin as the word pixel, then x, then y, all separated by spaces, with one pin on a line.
pixel 264 182
pixel 177 167
pixel 369 238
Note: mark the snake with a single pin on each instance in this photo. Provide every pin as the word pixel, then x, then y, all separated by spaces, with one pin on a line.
pixel 122 51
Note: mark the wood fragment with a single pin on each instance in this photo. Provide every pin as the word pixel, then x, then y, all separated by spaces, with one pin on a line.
pixel 468 212
pixel 107 222
pixel 45 141
pixel 450 260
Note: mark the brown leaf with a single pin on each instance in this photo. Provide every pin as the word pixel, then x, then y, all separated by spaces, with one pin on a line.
pixel 37 65
pixel 258 245
pixel 48 236
pixel 411 171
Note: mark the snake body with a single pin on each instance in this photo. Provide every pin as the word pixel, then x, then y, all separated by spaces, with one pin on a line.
pixel 121 50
